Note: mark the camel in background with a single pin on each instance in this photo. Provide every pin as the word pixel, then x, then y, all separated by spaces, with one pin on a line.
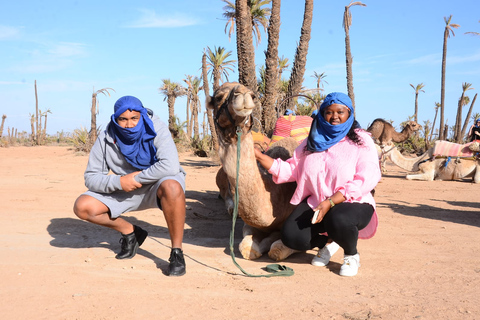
pixel 384 134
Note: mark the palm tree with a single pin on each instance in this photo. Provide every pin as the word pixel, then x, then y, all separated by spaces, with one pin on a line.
pixel 171 91
pixel 194 87
pixel 36 133
pixel 319 79
pixel 3 122
pixel 298 69
pixel 282 65
pixel 461 102
pixel 206 90
pixel 347 22
pixel 245 49
pixel 446 35
pixel 417 89
pixel 437 106
pixel 94 110
pixel 218 65
pixel 269 116
pixel 475 116
pixel 44 132
pixel 258 13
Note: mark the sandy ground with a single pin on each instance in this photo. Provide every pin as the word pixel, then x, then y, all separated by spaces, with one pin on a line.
pixel 422 264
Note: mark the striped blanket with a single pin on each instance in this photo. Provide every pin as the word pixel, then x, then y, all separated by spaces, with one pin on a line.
pixel 450 149
pixel 297 127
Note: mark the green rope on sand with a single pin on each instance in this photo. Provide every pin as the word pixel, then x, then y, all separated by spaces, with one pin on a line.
pixel 275 270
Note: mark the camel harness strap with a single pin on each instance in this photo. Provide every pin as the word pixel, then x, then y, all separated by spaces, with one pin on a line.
pixel 275 270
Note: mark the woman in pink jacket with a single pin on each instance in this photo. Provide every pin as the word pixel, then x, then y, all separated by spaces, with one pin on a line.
pixel 335 168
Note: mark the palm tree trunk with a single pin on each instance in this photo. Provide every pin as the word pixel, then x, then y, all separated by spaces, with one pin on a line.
pixel 246 52
pixel 442 95
pixel 433 125
pixel 3 122
pixel 37 133
pixel 195 104
pixel 93 119
pixel 465 123
pixel 298 70
pixel 458 119
pixel 415 116
pixel 271 69
pixel 189 111
pixel 206 90
pixel 171 114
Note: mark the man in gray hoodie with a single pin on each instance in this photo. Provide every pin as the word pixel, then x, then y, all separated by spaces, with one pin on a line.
pixel 138 151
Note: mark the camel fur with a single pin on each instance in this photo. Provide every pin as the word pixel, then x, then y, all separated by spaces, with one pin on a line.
pixel 263 205
pixel 431 168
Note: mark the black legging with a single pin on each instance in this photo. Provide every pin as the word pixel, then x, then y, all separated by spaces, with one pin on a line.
pixel 341 223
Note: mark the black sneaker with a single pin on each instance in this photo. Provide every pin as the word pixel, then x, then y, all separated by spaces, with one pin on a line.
pixel 130 243
pixel 176 267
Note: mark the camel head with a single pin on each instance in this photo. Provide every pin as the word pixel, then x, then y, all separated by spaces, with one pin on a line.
pixel 232 106
pixel 413 126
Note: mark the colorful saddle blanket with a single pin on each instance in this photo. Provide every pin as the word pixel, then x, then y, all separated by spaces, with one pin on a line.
pixel 450 149
pixel 297 127
pixel 260 140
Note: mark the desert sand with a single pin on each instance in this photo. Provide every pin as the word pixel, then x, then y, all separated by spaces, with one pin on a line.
pixel 423 263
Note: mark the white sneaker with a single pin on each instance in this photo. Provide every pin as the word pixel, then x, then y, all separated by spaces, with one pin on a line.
pixel 350 265
pixel 325 254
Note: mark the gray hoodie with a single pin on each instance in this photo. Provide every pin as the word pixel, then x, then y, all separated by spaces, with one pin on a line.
pixel 105 156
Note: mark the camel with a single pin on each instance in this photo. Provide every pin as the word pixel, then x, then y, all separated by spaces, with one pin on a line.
pixel 263 205
pixel 383 133
pixel 435 168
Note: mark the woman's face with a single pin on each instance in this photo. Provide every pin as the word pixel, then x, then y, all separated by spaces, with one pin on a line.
pixel 336 114
pixel 129 119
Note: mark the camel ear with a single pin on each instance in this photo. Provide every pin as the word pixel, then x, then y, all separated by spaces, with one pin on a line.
pixel 209 102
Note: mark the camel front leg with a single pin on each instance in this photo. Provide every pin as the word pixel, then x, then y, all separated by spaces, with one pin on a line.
pixel 279 251
pixel 249 247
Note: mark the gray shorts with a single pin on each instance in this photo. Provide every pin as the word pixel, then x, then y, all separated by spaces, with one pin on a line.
pixel 141 199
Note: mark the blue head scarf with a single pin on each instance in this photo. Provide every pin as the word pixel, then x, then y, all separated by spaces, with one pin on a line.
pixel 136 143
pixel 322 134
pixel 476 122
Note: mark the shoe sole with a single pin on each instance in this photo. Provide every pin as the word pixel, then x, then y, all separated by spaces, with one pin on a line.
pixel 177 275
pixel 130 257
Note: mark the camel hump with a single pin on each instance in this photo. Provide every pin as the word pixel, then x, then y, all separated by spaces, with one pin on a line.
pixel 282 149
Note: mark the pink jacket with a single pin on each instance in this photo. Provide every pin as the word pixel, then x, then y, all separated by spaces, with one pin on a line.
pixel 346 167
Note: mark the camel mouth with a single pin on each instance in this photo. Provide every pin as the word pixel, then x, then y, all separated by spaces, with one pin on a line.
pixel 243 104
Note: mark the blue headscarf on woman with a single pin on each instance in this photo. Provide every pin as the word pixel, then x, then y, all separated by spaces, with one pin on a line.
pixel 322 134
pixel 136 143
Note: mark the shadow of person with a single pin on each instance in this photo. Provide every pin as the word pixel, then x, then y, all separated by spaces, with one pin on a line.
pixel 76 234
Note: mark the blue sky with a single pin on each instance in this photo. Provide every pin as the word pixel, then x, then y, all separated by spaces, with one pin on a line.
pixel 72 48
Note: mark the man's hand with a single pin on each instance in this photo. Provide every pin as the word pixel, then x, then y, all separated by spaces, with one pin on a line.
pixel 129 183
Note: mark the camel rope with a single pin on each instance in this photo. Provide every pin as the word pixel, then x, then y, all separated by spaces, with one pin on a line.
pixel 275 270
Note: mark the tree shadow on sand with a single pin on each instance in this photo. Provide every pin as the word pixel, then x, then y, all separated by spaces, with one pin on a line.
pixel 460 215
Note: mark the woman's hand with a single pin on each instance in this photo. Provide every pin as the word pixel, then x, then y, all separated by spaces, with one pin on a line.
pixel 263 159
pixel 322 208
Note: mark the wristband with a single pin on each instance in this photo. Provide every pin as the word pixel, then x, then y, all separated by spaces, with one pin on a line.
pixel 332 204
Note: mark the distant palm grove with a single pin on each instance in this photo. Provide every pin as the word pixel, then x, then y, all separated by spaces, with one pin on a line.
pixel 244 21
